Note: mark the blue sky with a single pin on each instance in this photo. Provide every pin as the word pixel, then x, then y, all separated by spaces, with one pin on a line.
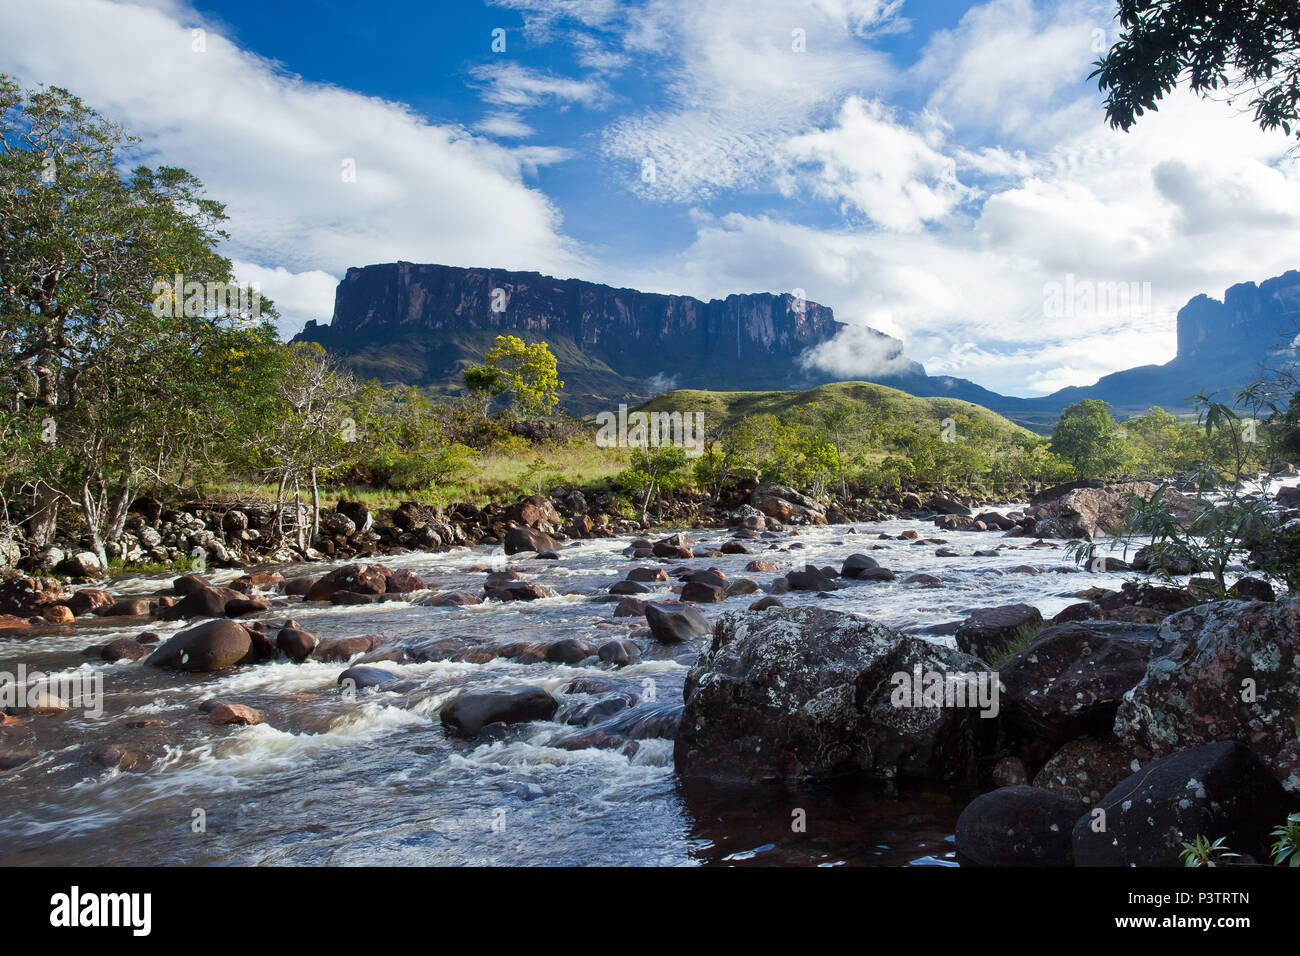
pixel 929 169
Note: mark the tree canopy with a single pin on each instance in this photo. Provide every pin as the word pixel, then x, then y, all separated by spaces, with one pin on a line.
pixel 1234 48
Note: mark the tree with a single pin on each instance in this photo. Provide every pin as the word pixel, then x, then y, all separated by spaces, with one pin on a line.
pixel 1240 47
pixel 1088 439
pixel 312 432
pixel 113 367
pixel 527 372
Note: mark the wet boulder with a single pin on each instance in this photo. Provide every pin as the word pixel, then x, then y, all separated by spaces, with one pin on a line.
pixel 672 623
pixel 296 643
pixel 210 646
pixel 855 564
pixel 123 649
pixel 365 677
pixel 342 649
pixel 529 539
pixel 206 602
pixel 808 693
pixel 1225 670
pixel 473 710
pixel 355 578
pixel 1217 790
pixel 620 653
pixel 1018 826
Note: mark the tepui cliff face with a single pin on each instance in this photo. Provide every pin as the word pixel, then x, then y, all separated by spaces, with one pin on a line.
pixel 422 324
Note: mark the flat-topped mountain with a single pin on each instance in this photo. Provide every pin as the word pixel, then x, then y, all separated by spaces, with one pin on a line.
pixel 423 324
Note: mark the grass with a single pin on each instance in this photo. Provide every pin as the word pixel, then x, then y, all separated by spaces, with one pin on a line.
pixel 493 476
pixel 722 408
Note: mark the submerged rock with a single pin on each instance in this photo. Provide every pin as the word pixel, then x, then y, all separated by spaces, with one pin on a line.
pixel 473 710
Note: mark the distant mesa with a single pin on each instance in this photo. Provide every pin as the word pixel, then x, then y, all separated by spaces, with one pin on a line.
pixel 423 324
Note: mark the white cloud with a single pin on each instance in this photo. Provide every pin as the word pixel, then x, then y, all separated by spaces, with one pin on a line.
pixel 273 147
pixel 510 83
pixel 888 172
pixel 736 88
pixel 504 126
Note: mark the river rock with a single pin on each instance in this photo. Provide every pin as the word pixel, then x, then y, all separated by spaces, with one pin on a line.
pixel 364 677
pixel 673 623
pixel 620 653
pixel 806 692
pixel 124 648
pixel 529 539
pixel 223 714
pixel 1088 768
pixel 208 647
pixel 473 710
pixel 1018 826
pixel 1217 790
pixel 296 642
pixel 1206 662
pixel 342 649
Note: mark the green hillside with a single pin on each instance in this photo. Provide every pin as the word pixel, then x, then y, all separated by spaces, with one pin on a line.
pixel 726 408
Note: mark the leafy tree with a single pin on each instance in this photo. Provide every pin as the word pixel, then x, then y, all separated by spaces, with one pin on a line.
pixel 1088 439
pixel 1239 48
pixel 113 378
pixel 527 372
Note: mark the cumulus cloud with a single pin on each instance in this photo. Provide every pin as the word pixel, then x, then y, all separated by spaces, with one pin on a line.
pixel 881 168
pixel 316 178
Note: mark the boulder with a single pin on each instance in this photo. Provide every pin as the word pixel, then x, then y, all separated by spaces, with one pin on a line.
pixel 1088 511
pixel 356 578
pixel 993 632
pixel 794 693
pixel 1225 670
pixel 124 648
pixel 1018 826
pixel 673 623
pixel 208 647
pixel 619 652
pixel 342 649
pixel 223 713
pixel 855 564
pixel 787 505
pixel 296 642
pixel 1217 790
pixel 1089 768
pixel 528 539
pixel 207 602
pixel 473 710
pixel 1070 679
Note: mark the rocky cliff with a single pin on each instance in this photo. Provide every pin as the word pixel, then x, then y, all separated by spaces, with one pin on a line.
pixel 422 324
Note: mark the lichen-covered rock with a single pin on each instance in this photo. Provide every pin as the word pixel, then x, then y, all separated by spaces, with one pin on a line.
pixel 1018 826
pixel 1070 679
pixel 1088 768
pixel 1218 790
pixel 1229 670
pixel 805 692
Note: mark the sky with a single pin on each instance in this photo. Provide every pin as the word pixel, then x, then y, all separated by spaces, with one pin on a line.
pixel 941 171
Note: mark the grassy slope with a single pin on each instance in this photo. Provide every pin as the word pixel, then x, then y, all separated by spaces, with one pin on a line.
pixel 727 407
